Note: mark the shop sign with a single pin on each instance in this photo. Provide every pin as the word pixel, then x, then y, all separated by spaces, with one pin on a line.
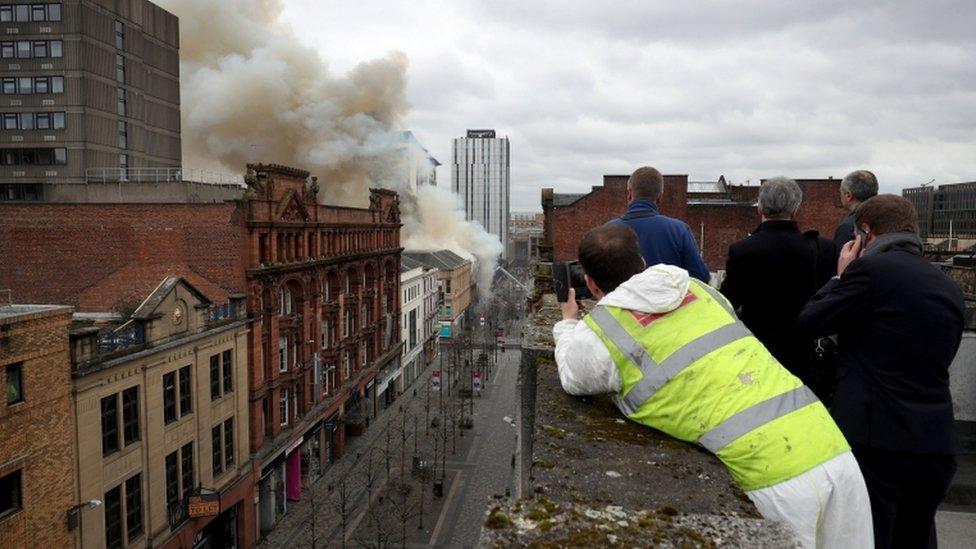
pixel 203 505
pixel 435 380
pixel 476 380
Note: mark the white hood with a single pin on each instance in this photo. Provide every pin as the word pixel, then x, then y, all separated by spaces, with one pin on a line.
pixel 658 289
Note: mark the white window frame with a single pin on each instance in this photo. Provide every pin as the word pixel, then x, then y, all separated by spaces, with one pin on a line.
pixel 283 398
pixel 282 354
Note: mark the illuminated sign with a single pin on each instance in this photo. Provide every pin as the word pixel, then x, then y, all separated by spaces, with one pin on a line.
pixel 481 134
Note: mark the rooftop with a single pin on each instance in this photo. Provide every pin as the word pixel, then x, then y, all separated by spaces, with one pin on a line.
pixel 436 259
pixel 13 313
pixel 587 477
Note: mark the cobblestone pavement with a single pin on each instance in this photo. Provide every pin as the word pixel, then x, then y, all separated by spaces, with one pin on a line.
pixel 480 468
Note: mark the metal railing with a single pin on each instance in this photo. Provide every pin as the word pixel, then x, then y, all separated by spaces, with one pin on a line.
pixel 161 175
pixel 126 336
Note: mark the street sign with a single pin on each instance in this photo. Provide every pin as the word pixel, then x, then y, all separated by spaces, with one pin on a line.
pixel 435 380
pixel 476 379
pixel 203 505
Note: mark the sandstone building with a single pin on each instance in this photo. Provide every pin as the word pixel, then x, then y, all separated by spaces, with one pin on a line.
pixel 455 287
pixel 320 285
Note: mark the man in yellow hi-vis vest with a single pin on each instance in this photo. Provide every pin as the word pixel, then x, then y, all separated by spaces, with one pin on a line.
pixel 673 352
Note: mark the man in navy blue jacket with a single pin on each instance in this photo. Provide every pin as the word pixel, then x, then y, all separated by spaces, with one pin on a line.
pixel 900 321
pixel 662 239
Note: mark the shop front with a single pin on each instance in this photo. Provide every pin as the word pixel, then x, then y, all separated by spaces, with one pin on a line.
pixel 386 389
pixel 280 481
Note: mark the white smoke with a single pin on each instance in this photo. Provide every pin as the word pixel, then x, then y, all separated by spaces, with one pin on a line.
pixel 252 92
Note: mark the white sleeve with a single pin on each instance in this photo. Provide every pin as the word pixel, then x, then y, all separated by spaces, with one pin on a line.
pixel 585 366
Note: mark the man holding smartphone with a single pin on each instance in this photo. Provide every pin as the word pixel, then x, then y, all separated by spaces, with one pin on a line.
pixel 899 321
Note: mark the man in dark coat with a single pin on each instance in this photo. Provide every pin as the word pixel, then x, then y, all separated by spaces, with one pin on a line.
pixel 855 188
pixel 662 239
pixel 900 321
pixel 771 274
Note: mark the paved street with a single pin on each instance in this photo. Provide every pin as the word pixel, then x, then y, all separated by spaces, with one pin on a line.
pixel 480 469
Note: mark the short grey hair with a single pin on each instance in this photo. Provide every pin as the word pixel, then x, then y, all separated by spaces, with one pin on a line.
pixel 779 197
pixel 861 183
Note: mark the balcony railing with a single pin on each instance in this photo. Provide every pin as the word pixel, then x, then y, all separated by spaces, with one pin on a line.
pixel 160 175
pixel 126 336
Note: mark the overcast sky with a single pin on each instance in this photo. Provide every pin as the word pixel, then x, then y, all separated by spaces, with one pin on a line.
pixel 748 89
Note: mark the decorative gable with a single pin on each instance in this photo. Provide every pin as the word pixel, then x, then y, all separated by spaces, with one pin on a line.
pixel 292 209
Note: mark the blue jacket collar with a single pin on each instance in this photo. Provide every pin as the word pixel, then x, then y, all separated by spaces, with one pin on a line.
pixel 642 205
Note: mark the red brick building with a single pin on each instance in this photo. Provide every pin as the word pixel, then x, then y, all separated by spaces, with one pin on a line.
pixel 717 213
pixel 321 284
pixel 37 460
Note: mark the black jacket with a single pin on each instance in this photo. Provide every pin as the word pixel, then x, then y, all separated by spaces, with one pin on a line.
pixel 769 277
pixel 844 232
pixel 900 321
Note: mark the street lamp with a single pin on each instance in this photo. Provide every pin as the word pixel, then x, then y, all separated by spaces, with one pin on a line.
pixel 75 511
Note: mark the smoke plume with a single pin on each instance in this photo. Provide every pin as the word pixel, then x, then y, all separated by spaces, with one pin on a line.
pixel 251 91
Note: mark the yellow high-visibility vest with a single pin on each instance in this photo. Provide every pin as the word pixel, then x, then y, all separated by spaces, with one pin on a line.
pixel 699 375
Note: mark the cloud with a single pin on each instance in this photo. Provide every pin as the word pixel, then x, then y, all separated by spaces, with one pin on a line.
pixel 746 89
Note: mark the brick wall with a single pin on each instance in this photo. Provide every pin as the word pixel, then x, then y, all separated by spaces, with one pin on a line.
pixel 717 226
pixel 37 434
pixel 95 256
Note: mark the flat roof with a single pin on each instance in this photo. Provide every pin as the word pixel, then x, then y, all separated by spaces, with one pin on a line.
pixel 10 313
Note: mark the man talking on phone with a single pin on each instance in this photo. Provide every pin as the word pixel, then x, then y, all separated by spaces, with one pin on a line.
pixel 677 359
pixel 899 320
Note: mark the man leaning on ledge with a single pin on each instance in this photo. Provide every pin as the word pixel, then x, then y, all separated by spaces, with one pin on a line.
pixel 677 359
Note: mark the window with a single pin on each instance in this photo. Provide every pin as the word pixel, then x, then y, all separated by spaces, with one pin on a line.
pixel 6 14
pixel 27 121
pixel 60 156
pixel 186 467
pixel 186 400
pixel 120 101
pixel 133 507
pixel 24 49
pixel 6 50
pixel 362 353
pixel 22 13
pixel 120 35
pixel 10 494
pixel 228 443
pixel 130 415
pixel 169 397
pixel 42 85
pixel 10 121
pixel 54 12
pixel 58 119
pixel 25 85
pixel 40 48
pixel 215 445
pixel 345 365
pixel 283 407
pixel 14 383
pixel 172 480
pixel 124 161
pixel 56 48
pixel 123 134
pixel 113 518
pixel 282 354
pixel 57 84
pixel 120 67
pixel 325 334
pixel 9 86
pixel 227 363
pixel 38 13
pixel 214 377
pixel 110 424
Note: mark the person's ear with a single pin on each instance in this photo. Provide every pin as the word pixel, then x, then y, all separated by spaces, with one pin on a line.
pixel 630 195
pixel 869 232
pixel 793 215
pixel 759 210
pixel 594 289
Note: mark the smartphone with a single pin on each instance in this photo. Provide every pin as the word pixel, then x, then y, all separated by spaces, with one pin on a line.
pixel 566 275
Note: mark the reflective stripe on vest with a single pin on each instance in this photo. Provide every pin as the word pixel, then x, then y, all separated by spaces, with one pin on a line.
pixel 756 416
pixel 654 375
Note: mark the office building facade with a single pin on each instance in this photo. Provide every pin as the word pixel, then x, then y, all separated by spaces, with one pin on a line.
pixel 90 89
pixel 948 211
pixel 480 174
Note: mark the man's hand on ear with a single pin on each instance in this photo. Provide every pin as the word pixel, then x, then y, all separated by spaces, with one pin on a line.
pixel 571 308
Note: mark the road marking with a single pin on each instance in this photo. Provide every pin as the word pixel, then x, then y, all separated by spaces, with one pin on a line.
pixel 445 508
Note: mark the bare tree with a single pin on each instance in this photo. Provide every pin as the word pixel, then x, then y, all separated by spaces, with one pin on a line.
pixel 343 493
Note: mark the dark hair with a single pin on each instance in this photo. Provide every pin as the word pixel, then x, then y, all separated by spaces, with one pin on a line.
pixel 862 184
pixel 610 255
pixel 647 183
pixel 887 213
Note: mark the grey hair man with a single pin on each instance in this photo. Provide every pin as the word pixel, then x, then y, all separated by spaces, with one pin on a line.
pixel 770 275
pixel 779 198
pixel 855 188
